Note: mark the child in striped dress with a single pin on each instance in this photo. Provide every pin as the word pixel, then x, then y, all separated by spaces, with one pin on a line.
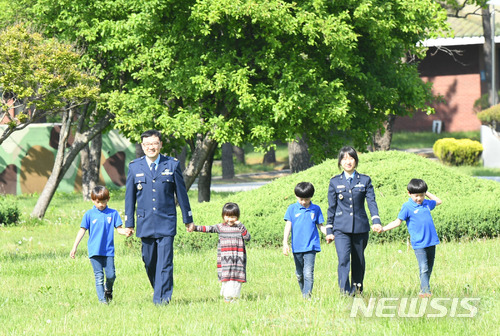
pixel 231 252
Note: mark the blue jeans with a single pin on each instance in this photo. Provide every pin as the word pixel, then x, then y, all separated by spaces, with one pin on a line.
pixel 304 270
pixel 425 257
pixel 106 264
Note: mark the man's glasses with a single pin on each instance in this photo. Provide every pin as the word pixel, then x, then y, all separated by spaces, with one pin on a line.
pixel 150 144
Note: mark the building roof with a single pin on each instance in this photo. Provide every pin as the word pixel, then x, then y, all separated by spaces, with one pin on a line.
pixel 467 28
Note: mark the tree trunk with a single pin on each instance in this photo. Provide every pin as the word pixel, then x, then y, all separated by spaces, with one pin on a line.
pixel 91 164
pixel 205 179
pixel 382 142
pixel 85 163
pixel 181 156
pixel 298 155
pixel 64 158
pixel 270 157
pixel 227 161
pixel 204 145
pixel 486 18
pixel 239 154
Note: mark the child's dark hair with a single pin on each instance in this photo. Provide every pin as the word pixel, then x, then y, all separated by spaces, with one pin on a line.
pixel 100 193
pixel 151 133
pixel 230 209
pixel 304 190
pixel 348 150
pixel 417 186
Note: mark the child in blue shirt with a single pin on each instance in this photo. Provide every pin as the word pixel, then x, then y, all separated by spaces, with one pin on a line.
pixel 416 212
pixel 302 218
pixel 100 221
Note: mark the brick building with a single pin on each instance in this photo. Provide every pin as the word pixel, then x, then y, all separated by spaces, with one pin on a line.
pixel 459 78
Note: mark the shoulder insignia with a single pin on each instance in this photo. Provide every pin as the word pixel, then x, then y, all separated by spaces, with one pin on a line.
pixel 175 159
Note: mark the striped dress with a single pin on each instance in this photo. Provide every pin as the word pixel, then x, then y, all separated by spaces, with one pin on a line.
pixel 231 252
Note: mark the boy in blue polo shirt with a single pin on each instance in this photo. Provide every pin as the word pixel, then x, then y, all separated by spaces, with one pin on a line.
pixel 302 218
pixel 100 221
pixel 416 212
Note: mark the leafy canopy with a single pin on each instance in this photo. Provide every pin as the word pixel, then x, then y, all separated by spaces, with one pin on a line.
pixel 39 77
pixel 252 70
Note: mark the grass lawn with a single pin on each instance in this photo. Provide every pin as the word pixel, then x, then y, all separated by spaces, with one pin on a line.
pixel 406 140
pixel 45 292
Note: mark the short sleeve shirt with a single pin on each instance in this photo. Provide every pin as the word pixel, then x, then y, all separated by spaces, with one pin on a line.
pixel 305 236
pixel 101 225
pixel 419 222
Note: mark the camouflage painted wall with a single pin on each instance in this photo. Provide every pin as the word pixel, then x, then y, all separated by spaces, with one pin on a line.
pixel 27 157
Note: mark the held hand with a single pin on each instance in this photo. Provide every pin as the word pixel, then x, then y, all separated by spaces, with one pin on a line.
pixel 329 238
pixel 190 227
pixel 121 231
pixel 377 228
pixel 128 231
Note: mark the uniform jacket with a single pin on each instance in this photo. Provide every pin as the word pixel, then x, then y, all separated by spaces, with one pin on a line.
pixel 346 204
pixel 152 199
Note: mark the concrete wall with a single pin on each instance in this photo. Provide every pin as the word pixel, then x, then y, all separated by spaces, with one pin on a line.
pixel 27 158
pixel 491 147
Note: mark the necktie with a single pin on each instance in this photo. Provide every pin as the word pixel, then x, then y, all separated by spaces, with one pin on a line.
pixel 349 180
pixel 153 168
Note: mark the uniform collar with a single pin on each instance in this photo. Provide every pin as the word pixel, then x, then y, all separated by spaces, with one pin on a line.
pixel 347 175
pixel 157 161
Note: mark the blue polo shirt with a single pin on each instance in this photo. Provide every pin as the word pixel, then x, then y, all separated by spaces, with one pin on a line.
pixel 101 225
pixel 305 236
pixel 419 222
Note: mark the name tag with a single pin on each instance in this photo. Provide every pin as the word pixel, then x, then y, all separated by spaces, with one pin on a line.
pixel 341 186
pixel 359 185
pixel 140 174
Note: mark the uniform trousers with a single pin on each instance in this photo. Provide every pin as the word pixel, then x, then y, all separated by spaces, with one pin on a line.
pixel 351 257
pixel 158 257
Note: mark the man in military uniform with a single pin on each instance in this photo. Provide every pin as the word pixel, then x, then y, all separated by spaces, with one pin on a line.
pixel 151 183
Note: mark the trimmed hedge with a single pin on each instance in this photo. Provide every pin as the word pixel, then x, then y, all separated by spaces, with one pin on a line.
pixel 470 206
pixel 458 152
pixel 490 116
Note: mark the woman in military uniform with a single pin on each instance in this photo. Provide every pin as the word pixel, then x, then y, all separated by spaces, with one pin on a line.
pixel 347 221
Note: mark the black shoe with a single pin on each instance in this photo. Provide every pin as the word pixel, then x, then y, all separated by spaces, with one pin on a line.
pixel 108 295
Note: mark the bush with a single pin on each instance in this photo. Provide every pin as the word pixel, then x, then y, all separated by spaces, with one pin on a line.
pixel 470 206
pixel 490 116
pixel 9 212
pixel 458 152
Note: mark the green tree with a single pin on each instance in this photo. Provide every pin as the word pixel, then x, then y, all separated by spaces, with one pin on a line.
pixel 42 78
pixel 38 78
pixel 216 71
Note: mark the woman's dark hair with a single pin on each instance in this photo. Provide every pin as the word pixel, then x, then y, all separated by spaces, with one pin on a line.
pixel 100 193
pixel 151 133
pixel 348 150
pixel 230 209
pixel 417 186
pixel 304 190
